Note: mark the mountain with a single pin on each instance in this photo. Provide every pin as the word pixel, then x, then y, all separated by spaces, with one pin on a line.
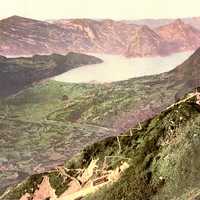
pixel 183 36
pixel 23 36
pixel 157 159
pixel 108 36
pixel 194 21
pixel 145 42
pixel 18 73
pixel 152 23
pixel 127 38
pixel 187 73
pixel 155 23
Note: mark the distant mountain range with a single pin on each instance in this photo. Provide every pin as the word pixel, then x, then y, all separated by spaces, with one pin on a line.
pixel 23 36
pixel 155 23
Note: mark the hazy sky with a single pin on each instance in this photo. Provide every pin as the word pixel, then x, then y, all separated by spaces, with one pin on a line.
pixel 115 9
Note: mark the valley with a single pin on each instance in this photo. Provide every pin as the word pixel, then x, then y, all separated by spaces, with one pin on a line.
pixel 99 109
pixel 51 121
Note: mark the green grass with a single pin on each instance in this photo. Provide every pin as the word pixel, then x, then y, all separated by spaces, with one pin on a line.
pixel 35 124
pixel 174 133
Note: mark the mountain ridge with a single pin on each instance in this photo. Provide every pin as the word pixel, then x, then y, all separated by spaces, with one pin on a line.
pixel 24 36
pixel 184 36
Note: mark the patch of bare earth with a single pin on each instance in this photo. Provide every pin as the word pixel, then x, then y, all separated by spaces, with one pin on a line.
pixel 88 181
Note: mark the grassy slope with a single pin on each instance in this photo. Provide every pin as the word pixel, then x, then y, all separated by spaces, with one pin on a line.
pixel 95 104
pixel 90 109
pixel 167 147
pixel 36 129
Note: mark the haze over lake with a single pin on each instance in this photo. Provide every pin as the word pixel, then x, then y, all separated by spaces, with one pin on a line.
pixel 117 68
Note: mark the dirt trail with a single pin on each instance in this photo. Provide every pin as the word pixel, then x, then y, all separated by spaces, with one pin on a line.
pixel 88 181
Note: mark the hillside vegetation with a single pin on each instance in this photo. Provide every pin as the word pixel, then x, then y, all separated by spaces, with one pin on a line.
pixel 161 155
pixel 18 73
pixel 49 122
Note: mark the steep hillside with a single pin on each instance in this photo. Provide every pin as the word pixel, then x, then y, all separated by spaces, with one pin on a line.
pixel 23 36
pixel 184 36
pixel 108 36
pixel 63 118
pixel 17 73
pixel 145 42
pixel 187 73
pixel 158 159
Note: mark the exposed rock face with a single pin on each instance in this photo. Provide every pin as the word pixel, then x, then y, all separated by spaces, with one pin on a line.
pixel 22 36
pixel 145 42
pixel 107 36
pixel 125 37
pixel 17 73
pixel 175 37
pixel 183 36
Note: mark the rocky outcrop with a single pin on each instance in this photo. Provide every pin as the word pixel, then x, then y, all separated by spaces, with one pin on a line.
pixel 184 37
pixel 23 36
pixel 108 36
pixel 145 42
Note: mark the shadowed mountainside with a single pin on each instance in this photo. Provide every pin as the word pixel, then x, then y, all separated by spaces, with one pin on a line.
pixel 23 36
pixel 18 73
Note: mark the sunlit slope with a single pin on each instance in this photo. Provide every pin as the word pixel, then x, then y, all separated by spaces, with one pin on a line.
pixel 58 119
pixel 157 159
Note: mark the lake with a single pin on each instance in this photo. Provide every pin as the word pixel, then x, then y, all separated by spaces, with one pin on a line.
pixel 117 68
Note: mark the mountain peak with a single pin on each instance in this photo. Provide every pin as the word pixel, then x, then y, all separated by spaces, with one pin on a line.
pixel 178 22
pixel 17 18
pixel 14 17
pixel 144 28
pixel 145 42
